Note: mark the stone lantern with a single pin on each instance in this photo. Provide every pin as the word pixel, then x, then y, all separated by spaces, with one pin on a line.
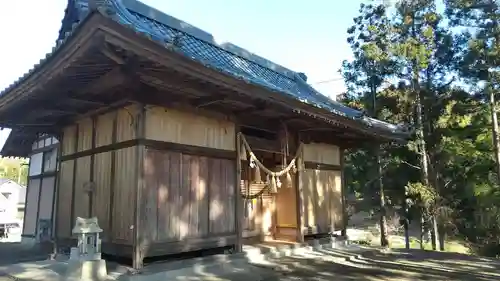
pixel 89 243
pixel 85 261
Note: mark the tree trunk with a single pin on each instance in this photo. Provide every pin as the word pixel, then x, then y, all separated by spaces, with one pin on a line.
pixel 407 235
pixel 442 237
pixel 494 125
pixel 406 220
pixel 384 240
pixel 422 229
pixel 434 233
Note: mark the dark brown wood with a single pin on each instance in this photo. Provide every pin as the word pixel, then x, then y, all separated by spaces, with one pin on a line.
pixel 43 175
pixel 44 149
pixel 55 200
pixel 239 199
pixel 38 204
pixel 26 196
pixel 92 163
pixel 299 195
pixel 321 166
pixel 73 185
pixel 100 149
pixel 343 194
pixel 112 172
pixel 139 169
pixel 187 245
pixel 160 145
pixel 189 149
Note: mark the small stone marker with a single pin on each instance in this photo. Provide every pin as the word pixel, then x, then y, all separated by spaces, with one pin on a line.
pixel 85 261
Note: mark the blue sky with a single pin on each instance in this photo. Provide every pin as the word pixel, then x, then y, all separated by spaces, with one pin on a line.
pixel 305 36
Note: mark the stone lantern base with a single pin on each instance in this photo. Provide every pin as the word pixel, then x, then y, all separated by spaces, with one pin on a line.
pixel 88 270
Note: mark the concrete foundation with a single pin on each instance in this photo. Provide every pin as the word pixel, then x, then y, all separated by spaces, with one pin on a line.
pixel 85 270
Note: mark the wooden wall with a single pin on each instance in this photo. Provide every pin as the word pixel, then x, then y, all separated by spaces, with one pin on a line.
pixel 177 167
pixel 322 188
pixel 170 125
pixel 321 153
pixel 95 153
pixel 188 196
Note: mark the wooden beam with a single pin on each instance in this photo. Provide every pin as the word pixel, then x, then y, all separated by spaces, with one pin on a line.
pixel 92 164
pixel 257 106
pixel 239 199
pixel 73 184
pixel 112 172
pixel 111 79
pixel 343 194
pixel 111 54
pixel 82 101
pixel 321 166
pixel 55 201
pixel 299 195
pixel 138 258
pixel 204 101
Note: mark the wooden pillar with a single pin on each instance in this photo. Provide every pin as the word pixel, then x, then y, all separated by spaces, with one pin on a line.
pixel 26 195
pixel 299 193
pixel 91 192
pixel 73 185
pixel 343 194
pixel 109 235
pixel 138 251
pixel 55 200
pixel 239 199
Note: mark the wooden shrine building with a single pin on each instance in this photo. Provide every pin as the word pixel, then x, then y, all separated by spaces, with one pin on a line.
pixel 177 143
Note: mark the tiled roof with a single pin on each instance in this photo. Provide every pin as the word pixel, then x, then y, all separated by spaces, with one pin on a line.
pixel 201 47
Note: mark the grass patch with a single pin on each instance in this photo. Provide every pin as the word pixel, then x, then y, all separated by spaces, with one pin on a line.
pixel 451 246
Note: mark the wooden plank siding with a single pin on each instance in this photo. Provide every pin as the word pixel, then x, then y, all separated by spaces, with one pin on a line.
pixel 64 197
pixel 80 166
pixel 123 199
pixel 170 125
pixel 322 188
pixel 186 197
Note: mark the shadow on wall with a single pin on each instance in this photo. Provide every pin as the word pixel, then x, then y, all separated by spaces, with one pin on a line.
pixel 199 191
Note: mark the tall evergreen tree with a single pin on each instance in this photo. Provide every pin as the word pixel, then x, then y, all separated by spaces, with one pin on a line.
pixel 369 38
pixel 481 61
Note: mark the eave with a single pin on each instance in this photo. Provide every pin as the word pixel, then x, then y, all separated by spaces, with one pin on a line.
pixel 97 30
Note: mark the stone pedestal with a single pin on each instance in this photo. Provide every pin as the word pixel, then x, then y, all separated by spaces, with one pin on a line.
pixel 85 270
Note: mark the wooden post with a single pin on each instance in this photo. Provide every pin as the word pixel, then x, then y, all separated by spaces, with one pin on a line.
pixel 299 195
pixel 138 252
pixel 55 200
pixel 343 195
pixel 91 192
pixel 238 203
pixel 109 235
pixel 73 184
